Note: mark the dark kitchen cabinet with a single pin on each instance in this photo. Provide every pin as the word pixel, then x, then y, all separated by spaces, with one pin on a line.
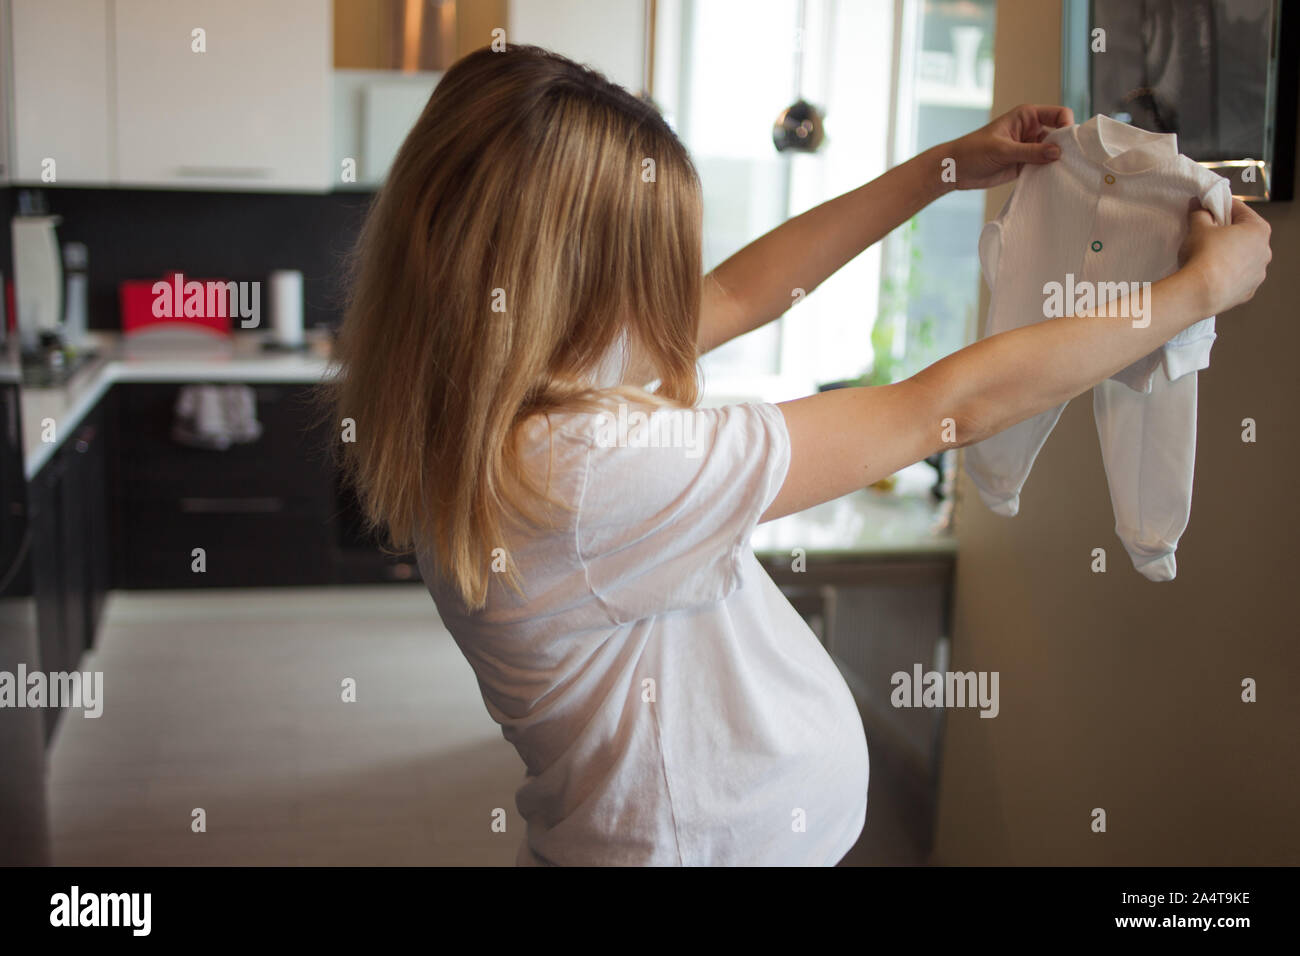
pixel 70 545
pixel 87 521
pixel 45 501
pixel 262 512
pixel 122 504
pixel 360 555
pixel 94 443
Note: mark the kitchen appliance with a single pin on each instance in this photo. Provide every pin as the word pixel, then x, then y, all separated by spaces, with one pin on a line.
pixel 38 278
pixel 180 313
pixel 286 309
pixel 76 305
pixel 24 827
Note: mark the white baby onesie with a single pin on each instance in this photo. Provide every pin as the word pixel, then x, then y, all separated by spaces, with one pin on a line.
pixel 1110 213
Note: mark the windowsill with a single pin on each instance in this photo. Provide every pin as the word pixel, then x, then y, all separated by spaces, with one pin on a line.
pixel 736 389
pixel 866 522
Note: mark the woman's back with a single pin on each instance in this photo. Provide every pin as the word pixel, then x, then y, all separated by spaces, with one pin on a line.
pixel 669 704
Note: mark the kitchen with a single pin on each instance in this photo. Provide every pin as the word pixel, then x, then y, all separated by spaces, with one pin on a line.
pixel 186 181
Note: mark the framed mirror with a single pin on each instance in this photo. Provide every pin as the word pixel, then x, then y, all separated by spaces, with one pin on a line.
pixel 1221 74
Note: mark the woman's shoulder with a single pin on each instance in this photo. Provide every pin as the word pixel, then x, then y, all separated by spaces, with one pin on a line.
pixel 629 443
pixel 544 429
pixel 619 423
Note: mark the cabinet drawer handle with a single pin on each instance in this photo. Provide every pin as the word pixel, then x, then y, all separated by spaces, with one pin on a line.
pixel 224 172
pixel 199 506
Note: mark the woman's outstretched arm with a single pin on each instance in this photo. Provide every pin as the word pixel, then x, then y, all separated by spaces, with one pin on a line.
pixel 845 439
pixel 756 285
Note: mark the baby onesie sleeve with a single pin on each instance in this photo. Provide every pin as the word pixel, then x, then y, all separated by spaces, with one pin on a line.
pixel 666 512
pixel 989 247
pixel 1189 350
pixel 1218 200
pixel 990 244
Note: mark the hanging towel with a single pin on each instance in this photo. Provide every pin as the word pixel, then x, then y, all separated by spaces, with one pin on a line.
pixel 216 416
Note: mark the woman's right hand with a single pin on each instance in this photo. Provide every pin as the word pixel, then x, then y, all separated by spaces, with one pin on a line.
pixel 1230 260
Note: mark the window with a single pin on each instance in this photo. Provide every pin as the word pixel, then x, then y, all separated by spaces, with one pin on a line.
pixel 892 77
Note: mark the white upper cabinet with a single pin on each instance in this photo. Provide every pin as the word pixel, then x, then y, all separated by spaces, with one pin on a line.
pixel 61 101
pixel 609 35
pixel 224 94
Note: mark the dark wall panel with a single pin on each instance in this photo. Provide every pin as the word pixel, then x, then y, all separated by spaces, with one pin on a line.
pixel 146 234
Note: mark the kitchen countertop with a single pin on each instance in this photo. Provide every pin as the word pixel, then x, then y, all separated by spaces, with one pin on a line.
pixel 867 523
pixel 67 404
pixel 864 524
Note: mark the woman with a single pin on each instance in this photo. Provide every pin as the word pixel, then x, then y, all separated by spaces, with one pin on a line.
pixel 530 267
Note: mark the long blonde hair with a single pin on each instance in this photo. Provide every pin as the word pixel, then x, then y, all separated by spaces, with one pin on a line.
pixel 534 213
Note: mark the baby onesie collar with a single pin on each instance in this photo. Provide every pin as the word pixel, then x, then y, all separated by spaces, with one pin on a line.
pixel 1123 148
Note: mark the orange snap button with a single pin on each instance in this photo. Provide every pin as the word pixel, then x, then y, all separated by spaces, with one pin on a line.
pixel 1110 180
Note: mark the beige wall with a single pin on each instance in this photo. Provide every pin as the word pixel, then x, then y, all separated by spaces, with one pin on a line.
pixel 1117 692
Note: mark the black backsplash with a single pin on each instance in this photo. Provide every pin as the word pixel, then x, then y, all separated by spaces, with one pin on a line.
pixel 148 234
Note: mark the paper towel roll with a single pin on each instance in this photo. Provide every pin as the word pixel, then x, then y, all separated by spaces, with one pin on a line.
pixel 286 307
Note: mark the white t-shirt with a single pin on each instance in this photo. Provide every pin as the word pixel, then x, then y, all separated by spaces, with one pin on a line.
pixel 670 706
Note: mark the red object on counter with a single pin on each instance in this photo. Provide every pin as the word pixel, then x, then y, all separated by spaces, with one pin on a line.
pixel 148 304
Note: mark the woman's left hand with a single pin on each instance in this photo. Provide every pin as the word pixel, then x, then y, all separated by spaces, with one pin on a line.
pixel 996 153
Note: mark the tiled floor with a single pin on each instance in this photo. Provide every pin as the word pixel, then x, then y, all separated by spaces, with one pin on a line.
pixel 231 701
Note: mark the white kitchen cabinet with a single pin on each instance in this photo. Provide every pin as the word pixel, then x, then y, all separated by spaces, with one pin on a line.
pixel 609 35
pixel 61 97
pixel 250 112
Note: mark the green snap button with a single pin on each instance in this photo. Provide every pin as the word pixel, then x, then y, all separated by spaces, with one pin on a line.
pixel 1096 246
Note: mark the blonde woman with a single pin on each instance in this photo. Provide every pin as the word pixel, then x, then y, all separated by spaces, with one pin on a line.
pixel 520 357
